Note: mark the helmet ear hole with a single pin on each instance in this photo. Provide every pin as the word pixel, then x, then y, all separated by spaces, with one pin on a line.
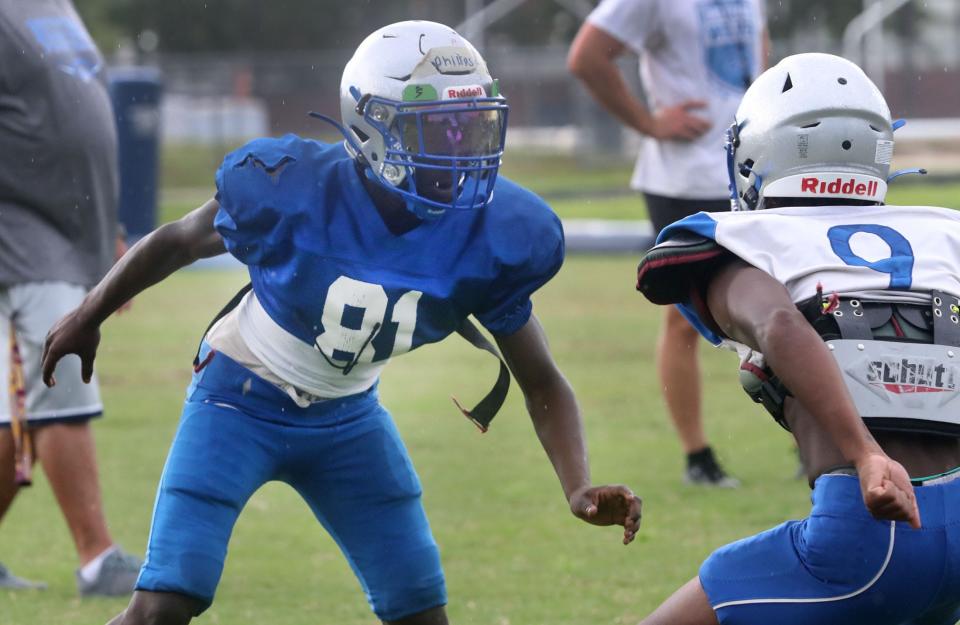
pixel 787 84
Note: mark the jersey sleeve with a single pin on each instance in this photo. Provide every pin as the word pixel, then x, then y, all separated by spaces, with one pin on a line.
pixel 254 221
pixel 536 254
pixel 632 22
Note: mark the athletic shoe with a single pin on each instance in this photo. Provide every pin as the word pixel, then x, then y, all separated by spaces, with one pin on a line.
pixel 11 582
pixel 118 573
pixel 704 470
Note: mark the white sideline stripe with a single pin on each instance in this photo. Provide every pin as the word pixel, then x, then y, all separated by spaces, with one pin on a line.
pixel 886 562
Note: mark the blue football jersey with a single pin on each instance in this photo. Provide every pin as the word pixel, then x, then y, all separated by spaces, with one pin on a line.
pixel 327 270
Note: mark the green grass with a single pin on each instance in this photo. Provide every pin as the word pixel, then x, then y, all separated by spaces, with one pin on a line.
pixel 511 550
pixel 575 189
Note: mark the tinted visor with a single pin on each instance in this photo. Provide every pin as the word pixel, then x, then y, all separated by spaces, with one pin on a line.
pixel 452 132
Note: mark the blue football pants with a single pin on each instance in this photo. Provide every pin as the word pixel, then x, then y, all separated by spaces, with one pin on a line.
pixel 840 566
pixel 345 458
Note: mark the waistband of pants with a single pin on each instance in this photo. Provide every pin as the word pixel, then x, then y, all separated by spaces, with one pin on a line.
pixel 838 494
pixel 219 378
pixel 930 480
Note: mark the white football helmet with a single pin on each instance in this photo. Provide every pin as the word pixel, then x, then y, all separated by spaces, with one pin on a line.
pixel 813 126
pixel 424 117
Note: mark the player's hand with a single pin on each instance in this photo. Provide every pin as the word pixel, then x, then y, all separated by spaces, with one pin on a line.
pixel 887 491
pixel 678 123
pixel 70 335
pixel 608 505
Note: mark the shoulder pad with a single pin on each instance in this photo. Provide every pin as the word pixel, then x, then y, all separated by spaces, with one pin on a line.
pixel 667 272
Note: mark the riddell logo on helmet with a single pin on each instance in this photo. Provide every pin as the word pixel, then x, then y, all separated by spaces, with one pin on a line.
pixel 839 186
pixel 464 92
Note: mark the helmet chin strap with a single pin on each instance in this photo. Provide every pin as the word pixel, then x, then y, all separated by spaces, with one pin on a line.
pixel 339 127
pixel 419 210
pixel 903 172
pixel 897 125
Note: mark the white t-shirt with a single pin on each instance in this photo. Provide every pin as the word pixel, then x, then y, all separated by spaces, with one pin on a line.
pixel 689 50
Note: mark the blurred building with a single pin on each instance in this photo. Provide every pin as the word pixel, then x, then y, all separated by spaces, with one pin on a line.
pixel 223 98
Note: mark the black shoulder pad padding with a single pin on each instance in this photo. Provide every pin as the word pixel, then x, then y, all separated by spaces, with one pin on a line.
pixel 669 270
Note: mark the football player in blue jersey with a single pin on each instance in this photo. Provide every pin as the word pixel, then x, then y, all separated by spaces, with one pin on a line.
pixel 357 252
pixel 847 315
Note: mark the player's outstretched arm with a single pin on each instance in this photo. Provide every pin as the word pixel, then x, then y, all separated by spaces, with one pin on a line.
pixel 556 418
pixel 753 308
pixel 153 258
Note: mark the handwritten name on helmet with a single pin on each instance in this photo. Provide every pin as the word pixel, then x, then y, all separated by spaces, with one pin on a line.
pixel 452 61
pixel 838 186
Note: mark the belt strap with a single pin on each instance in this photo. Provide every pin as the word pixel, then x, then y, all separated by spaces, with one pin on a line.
pixel 233 303
pixel 845 469
pixel 942 478
pixel 484 412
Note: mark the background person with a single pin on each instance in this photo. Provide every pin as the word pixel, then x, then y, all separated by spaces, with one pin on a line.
pixel 58 237
pixel 827 285
pixel 697 57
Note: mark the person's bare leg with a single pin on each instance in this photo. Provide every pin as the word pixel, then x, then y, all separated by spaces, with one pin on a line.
pixel 687 606
pixel 68 456
pixel 433 616
pixel 679 371
pixel 8 489
pixel 158 608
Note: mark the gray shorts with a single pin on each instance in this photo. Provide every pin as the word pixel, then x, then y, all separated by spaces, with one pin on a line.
pixel 34 308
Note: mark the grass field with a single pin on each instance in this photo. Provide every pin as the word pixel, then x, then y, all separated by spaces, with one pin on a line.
pixel 512 552
pixel 575 188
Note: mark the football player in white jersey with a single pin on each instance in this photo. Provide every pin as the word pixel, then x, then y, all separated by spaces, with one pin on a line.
pixel 847 312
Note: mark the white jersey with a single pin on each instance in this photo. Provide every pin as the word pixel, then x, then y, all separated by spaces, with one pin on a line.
pixel 689 50
pixel 884 252
pixel 899 253
pixel 249 336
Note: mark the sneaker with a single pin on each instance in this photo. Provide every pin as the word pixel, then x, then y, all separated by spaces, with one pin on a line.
pixel 10 581
pixel 117 576
pixel 704 470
